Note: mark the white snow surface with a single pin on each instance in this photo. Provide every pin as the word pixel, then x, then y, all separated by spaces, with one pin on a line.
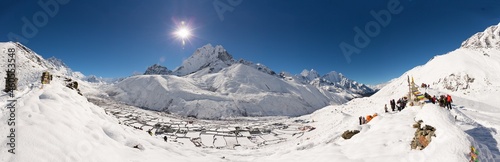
pixel 57 124
pixel 238 90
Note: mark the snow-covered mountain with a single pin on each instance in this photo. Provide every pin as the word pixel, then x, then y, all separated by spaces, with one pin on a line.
pixel 238 90
pixel 490 38
pixel 157 70
pixel 30 65
pixel 333 82
pixel 210 84
pixel 214 58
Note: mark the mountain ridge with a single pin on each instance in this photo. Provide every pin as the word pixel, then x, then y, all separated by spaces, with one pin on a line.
pixel 215 58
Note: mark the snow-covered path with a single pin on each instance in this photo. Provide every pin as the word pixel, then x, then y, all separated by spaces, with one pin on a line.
pixel 480 121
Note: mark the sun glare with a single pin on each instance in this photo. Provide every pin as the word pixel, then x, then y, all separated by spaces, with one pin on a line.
pixel 183 32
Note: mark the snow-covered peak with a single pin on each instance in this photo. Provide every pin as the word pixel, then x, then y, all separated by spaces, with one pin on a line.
pixel 334 76
pixel 207 56
pixel 57 62
pixel 157 70
pixel 309 74
pixel 489 38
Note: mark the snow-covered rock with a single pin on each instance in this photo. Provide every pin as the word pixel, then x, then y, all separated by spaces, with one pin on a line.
pixel 490 38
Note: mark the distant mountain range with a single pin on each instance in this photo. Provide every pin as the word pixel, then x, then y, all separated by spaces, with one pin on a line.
pixel 211 84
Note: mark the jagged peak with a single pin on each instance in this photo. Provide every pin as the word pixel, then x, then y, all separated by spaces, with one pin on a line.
pixel 334 76
pixel 57 62
pixel 309 74
pixel 207 56
pixel 157 69
pixel 489 38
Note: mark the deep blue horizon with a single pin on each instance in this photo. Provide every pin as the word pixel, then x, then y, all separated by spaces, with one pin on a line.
pixel 119 38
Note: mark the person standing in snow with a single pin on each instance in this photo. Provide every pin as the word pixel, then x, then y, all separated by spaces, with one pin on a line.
pixel 448 101
pixel 385 108
pixel 433 99
pixel 402 104
pixel 441 101
pixel 393 105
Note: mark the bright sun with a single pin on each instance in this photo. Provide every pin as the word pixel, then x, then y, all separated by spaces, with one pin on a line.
pixel 183 32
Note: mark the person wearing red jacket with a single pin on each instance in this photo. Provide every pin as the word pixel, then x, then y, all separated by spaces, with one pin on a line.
pixel 448 101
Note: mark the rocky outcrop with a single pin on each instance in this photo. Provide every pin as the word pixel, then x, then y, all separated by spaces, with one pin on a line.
pixel 348 134
pixel 423 135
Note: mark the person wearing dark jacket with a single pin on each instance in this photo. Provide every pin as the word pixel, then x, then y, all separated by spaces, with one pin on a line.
pixel 393 105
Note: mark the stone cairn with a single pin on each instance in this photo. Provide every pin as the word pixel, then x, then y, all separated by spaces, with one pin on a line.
pixel 423 135
pixel 348 134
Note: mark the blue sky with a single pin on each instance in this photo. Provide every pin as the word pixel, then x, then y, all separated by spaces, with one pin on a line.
pixel 118 38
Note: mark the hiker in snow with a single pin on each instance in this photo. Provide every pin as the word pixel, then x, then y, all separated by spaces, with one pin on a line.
pixel 385 108
pixel 368 118
pixel 448 101
pixel 363 120
pixel 398 105
pixel 441 101
pixel 402 104
pixel 393 105
pixel 433 100
pixel 165 138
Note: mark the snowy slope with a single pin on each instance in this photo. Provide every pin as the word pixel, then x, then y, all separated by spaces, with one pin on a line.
pixel 57 124
pixel 470 75
pixel 238 90
pixel 472 70
pixel 30 65
pixel 490 38
pixel 463 72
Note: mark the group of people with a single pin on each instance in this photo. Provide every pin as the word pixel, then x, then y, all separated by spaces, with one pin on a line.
pixel 400 104
pixel 445 101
